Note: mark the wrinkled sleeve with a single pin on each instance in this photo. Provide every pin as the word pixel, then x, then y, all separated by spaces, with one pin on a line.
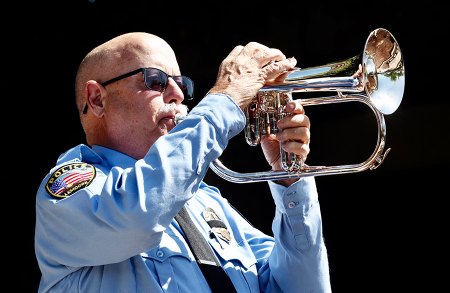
pixel 298 261
pixel 125 209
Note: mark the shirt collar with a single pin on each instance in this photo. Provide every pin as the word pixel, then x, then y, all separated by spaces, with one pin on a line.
pixel 113 157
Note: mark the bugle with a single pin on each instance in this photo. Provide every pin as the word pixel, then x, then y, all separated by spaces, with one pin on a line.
pixel 376 77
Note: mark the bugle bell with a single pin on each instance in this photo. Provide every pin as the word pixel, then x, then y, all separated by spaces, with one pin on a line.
pixel 376 78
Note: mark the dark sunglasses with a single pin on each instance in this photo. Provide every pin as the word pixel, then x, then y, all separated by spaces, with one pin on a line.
pixel 157 80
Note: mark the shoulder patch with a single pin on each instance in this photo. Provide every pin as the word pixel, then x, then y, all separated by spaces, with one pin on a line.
pixel 70 178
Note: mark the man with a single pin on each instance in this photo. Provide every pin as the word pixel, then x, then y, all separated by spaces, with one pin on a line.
pixel 105 214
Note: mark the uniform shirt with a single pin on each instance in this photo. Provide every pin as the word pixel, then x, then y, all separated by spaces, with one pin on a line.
pixel 105 221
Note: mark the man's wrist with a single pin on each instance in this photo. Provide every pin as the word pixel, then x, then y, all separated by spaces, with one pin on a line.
pixel 286 182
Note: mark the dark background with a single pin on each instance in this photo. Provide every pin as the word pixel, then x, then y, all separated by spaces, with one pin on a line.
pixel 383 228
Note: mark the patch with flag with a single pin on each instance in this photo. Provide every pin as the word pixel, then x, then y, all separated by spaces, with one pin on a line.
pixel 70 178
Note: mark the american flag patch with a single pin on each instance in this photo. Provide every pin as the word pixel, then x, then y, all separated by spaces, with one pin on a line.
pixel 70 178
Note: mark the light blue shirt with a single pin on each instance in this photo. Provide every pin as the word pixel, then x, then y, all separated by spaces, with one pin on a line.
pixel 105 221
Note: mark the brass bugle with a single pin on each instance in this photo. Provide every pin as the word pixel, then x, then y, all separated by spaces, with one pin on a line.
pixel 376 77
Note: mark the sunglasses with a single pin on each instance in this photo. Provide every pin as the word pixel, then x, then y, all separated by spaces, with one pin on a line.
pixel 157 80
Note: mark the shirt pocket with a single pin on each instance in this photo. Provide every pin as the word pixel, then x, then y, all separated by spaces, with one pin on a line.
pixel 239 263
pixel 172 265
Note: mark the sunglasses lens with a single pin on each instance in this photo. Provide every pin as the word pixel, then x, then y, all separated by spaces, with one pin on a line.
pixel 186 85
pixel 155 79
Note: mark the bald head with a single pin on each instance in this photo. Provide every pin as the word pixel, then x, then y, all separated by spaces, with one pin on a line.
pixel 128 99
pixel 120 55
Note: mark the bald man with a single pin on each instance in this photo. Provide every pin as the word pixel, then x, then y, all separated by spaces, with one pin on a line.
pixel 108 212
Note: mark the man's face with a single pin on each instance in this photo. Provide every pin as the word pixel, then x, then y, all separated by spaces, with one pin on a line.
pixel 142 114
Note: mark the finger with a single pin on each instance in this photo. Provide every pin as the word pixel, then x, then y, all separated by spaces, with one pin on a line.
pixel 293 121
pixel 277 69
pixel 295 147
pixel 298 134
pixel 294 107
pixel 262 54
pixel 235 52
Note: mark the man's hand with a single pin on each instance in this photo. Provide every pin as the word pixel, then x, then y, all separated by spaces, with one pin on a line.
pixel 246 69
pixel 294 136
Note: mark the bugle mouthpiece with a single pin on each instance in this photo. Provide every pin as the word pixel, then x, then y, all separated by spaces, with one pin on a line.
pixel 178 118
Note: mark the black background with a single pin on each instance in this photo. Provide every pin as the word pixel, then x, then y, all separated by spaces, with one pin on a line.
pixel 383 228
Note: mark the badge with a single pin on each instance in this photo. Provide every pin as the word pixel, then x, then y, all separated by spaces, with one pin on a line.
pixel 69 178
pixel 216 224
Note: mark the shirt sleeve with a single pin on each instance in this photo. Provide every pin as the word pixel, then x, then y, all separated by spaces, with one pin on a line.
pixel 298 261
pixel 129 204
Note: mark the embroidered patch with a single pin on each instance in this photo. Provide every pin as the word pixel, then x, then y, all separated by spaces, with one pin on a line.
pixel 70 178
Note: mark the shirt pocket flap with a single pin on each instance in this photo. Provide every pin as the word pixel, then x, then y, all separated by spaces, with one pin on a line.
pixel 170 246
pixel 235 254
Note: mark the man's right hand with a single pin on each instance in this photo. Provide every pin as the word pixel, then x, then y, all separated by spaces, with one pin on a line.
pixel 247 69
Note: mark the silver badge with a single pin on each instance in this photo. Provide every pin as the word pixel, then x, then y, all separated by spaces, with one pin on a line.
pixel 216 224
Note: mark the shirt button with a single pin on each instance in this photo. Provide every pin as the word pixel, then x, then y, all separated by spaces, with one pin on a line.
pixel 291 193
pixel 159 253
pixel 291 204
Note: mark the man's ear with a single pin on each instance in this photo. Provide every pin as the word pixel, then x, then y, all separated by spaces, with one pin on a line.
pixel 95 94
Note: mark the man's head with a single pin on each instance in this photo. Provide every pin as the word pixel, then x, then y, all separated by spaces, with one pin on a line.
pixel 129 112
